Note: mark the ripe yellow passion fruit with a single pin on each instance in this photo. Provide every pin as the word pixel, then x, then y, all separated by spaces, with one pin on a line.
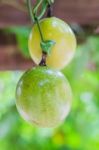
pixel 65 42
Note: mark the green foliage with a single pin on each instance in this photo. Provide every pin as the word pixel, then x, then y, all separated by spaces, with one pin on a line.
pixel 80 131
pixel 22 34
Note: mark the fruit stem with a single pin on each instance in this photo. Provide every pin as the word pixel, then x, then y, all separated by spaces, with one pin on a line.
pixel 43 61
pixel 49 11
pixel 49 14
pixel 50 8
pixel 39 28
pixel 45 45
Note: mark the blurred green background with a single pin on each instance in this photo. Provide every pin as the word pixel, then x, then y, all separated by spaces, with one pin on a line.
pixel 80 130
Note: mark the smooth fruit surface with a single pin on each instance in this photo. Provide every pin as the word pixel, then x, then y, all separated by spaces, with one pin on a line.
pixel 43 97
pixel 58 31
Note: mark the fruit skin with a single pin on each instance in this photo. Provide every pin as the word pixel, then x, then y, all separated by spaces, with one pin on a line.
pixel 43 97
pixel 57 30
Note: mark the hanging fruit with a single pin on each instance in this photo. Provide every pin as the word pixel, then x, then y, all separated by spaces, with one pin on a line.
pixel 43 94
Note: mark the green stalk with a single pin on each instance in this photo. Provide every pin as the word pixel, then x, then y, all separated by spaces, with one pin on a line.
pixel 29 4
pixel 50 1
pixel 37 6
pixel 43 9
pixel 46 45
pixel 39 28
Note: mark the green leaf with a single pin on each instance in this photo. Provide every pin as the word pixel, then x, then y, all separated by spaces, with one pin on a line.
pixel 23 44
pixel 22 34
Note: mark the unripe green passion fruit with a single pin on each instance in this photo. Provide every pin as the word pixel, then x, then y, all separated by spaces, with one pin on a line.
pixel 43 97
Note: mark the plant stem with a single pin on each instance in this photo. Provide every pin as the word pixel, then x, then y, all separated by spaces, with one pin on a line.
pixel 34 17
pixel 37 5
pixel 50 1
pixel 45 45
pixel 49 11
pixel 39 28
pixel 30 10
pixel 43 9
pixel 43 61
